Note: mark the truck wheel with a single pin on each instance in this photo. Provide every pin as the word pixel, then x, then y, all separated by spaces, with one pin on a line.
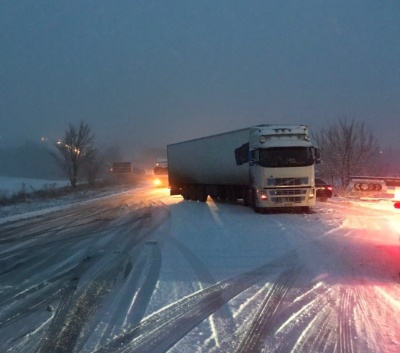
pixel 222 194
pixel 193 193
pixel 185 193
pixel 247 197
pixel 231 194
pixel 201 193
pixel 254 203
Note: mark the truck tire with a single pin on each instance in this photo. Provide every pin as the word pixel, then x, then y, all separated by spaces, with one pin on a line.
pixel 185 193
pixel 201 193
pixel 247 197
pixel 222 193
pixel 231 194
pixel 254 202
pixel 193 193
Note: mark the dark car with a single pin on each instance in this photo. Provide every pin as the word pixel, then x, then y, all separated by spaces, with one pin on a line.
pixel 324 190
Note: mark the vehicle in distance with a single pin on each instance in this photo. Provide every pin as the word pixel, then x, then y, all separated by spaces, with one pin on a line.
pixel 161 173
pixel 324 190
pixel 122 167
pixel 267 166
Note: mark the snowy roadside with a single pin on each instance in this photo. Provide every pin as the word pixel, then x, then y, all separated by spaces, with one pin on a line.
pixel 35 207
pixel 382 204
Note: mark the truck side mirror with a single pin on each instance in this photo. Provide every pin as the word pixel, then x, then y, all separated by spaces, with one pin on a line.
pixel 253 157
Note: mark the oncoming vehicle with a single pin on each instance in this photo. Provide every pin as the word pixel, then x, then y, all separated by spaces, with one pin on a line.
pixel 323 190
pixel 161 173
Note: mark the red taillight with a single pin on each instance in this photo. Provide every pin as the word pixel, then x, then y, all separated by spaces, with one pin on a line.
pixel 329 188
pixel 397 205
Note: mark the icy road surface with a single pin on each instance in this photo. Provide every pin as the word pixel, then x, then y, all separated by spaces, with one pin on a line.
pixel 146 272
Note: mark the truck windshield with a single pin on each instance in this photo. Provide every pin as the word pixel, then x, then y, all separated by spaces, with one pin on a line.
pixel 279 157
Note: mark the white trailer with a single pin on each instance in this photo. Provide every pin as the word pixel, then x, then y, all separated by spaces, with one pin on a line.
pixel 267 166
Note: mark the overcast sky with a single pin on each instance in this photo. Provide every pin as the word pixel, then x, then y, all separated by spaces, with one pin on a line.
pixel 148 73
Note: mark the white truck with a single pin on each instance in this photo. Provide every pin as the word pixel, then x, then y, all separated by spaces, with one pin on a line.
pixel 268 166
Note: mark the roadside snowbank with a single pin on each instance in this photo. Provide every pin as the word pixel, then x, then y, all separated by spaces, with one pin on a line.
pixel 12 185
pixel 34 207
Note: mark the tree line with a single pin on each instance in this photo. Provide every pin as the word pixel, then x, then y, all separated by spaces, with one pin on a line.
pixel 347 148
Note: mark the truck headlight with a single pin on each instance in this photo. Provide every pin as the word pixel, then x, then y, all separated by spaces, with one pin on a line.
pixel 157 182
pixel 263 195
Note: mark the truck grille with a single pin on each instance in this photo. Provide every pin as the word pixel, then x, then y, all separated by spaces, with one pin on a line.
pixel 287 181
pixel 294 199
pixel 288 192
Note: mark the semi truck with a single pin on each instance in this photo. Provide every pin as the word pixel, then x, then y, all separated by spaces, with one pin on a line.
pixel 161 173
pixel 267 166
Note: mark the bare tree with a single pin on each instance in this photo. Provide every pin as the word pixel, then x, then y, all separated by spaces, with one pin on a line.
pixel 347 148
pixel 76 151
pixel 93 166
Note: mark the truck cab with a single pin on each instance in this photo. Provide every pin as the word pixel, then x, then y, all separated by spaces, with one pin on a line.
pixel 281 164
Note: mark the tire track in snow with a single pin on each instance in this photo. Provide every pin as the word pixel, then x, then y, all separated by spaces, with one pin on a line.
pixel 47 272
pixel 127 303
pixel 64 219
pixel 127 307
pixel 19 230
pixel 221 320
pixel 79 304
pixel 32 300
pixel 345 320
pixel 367 319
pixel 20 262
pixel 264 321
pixel 331 325
pixel 163 329
pixel 316 326
pixel 75 321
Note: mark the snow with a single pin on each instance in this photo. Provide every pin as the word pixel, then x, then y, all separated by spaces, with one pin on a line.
pixel 325 281
pixel 11 185
pixel 37 207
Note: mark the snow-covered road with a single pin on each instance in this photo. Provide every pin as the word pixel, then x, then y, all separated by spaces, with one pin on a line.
pixel 146 272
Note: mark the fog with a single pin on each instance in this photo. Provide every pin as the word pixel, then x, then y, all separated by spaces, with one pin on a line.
pixel 144 74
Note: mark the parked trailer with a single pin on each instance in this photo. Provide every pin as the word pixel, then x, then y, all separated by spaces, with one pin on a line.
pixel 267 166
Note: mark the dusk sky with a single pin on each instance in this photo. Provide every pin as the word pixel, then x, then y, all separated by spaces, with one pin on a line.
pixel 147 73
